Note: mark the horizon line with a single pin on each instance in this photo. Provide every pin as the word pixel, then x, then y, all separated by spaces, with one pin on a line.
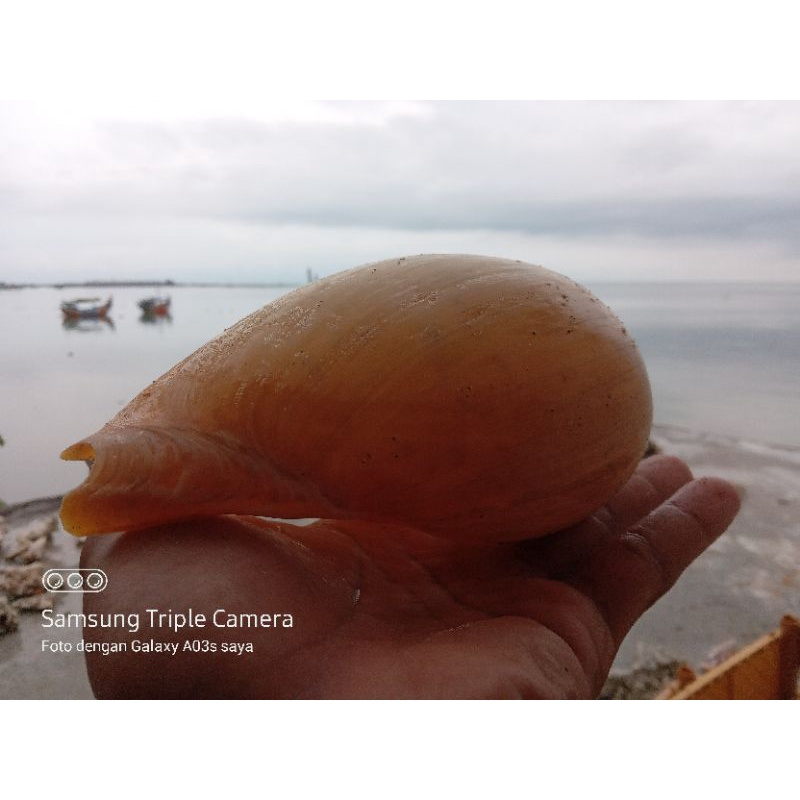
pixel 167 283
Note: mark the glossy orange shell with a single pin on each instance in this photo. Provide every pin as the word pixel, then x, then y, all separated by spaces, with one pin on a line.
pixel 477 398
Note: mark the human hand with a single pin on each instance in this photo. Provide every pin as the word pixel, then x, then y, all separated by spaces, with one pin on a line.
pixel 392 612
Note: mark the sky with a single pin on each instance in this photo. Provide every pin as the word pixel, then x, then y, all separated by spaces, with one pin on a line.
pixel 137 151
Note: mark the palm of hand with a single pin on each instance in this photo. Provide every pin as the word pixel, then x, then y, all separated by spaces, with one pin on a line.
pixel 381 611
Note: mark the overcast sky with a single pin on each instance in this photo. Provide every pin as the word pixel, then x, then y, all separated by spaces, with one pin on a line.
pixel 159 174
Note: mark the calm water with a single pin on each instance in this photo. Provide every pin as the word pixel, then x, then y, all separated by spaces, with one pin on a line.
pixel 62 383
pixel 722 358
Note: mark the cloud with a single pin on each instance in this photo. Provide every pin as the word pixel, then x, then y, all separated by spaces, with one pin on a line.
pixel 657 172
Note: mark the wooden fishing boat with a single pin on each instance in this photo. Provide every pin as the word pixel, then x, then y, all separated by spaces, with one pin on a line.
pixel 766 669
pixel 155 306
pixel 86 308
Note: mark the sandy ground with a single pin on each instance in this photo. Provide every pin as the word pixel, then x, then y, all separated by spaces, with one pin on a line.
pixel 735 592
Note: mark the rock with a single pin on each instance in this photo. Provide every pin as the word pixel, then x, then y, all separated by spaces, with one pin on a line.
pixel 642 683
pixel 34 602
pixel 9 619
pixel 22 581
pixel 32 541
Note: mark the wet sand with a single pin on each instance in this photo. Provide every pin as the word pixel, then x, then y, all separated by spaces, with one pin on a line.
pixel 735 592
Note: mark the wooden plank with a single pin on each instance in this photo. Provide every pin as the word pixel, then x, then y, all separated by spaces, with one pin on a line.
pixel 767 669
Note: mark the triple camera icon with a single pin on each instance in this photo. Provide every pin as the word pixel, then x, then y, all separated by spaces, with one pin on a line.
pixel 75 580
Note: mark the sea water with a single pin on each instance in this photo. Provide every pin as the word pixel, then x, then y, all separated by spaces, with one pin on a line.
pixel 60 382
pixel 722 358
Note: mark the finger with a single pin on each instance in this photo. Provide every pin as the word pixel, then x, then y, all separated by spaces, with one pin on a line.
pixel 628 575
pixel 655 480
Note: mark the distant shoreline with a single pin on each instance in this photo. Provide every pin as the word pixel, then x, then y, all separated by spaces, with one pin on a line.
pixel 110 284
pixel 168 284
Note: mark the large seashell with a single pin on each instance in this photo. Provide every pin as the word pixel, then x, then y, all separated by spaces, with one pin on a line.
pixel 477 398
